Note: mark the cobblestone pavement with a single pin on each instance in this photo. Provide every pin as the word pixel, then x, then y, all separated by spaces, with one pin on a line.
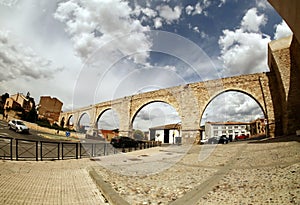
pixel 236 173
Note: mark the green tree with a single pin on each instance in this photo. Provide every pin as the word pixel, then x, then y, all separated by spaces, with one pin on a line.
pixel 31 115
pixel 138 134
pixel 4 97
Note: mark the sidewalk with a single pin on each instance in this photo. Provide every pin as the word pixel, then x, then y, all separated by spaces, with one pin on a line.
pixel 48 182
pixel 237 173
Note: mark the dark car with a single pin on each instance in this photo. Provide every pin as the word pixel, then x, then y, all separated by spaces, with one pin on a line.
pixel 218 140
pixel 123 142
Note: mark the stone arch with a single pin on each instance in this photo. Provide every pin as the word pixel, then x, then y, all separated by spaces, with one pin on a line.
pixel 68 119
pixel 102 113
pixel 62 122
pixel 81 115
pixel 233 90
pixel 149 102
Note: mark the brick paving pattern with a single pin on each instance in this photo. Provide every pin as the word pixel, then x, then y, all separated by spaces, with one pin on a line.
pixel 52 182
pixel 237 173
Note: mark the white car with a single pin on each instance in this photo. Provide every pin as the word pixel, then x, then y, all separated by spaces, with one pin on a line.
pixel 18 126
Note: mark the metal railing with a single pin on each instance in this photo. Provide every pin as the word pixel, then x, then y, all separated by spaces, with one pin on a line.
pixel 22 149
pixel 49 150
pixel 26 149
pixel 6 147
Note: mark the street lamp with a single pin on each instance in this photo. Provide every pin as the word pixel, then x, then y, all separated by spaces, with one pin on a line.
pixel 175 127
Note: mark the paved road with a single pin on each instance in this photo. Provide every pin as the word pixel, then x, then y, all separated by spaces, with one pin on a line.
pixel 6 132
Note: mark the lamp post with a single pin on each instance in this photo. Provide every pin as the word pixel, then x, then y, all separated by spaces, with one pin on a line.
pixel 175 127
pixel 173 135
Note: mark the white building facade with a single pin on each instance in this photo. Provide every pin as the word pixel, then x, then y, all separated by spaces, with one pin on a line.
pixel 229 129
pixel 167 134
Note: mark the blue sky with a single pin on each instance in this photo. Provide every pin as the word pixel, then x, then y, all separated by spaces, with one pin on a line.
pixel 84 52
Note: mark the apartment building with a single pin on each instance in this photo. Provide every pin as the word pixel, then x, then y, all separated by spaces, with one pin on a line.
pixel 234 129
pixel 18 101
pixel 49 108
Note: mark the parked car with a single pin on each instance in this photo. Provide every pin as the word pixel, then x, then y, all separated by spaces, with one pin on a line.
pixel 203 141
pixel 241 137
pixel 18 126
pixel 218 140
pixel 122 141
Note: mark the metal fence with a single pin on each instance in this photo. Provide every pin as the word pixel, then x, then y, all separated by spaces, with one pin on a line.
pixel 6 147
pixel 22 149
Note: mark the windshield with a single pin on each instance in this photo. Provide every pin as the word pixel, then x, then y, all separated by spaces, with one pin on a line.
pixel 19 123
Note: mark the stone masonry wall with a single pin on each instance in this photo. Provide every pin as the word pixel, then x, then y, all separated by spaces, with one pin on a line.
pixel 188 100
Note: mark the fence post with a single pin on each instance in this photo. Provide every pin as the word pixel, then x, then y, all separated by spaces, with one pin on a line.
pixel 76 150
pixel 41 153
pixel 80 146
pixel 17 143
pixel 62 151
pixel 36 151
pixel 104 149
pixel 93 148
pixel 58 150
pixel 11 148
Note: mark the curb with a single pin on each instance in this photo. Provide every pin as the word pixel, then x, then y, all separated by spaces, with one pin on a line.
pixel 108 192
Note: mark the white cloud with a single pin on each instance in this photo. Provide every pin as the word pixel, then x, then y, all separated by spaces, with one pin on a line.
pixel 189 9
pixel 264 4
pixel 149 12
pixel 199 8
pixel 202 33
pixel 91 24
pixel 244 50
pixel 282 30
pixel 9 3
pixel 252 21
pixel 232 106
pixel 19 61
pixel 196 29
pixel 222 2
pixel 155 114
pixel 169 14
pixel 157 22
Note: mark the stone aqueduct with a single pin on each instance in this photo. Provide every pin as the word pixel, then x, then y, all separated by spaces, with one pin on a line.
pixel 189 101
pixel 277 92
